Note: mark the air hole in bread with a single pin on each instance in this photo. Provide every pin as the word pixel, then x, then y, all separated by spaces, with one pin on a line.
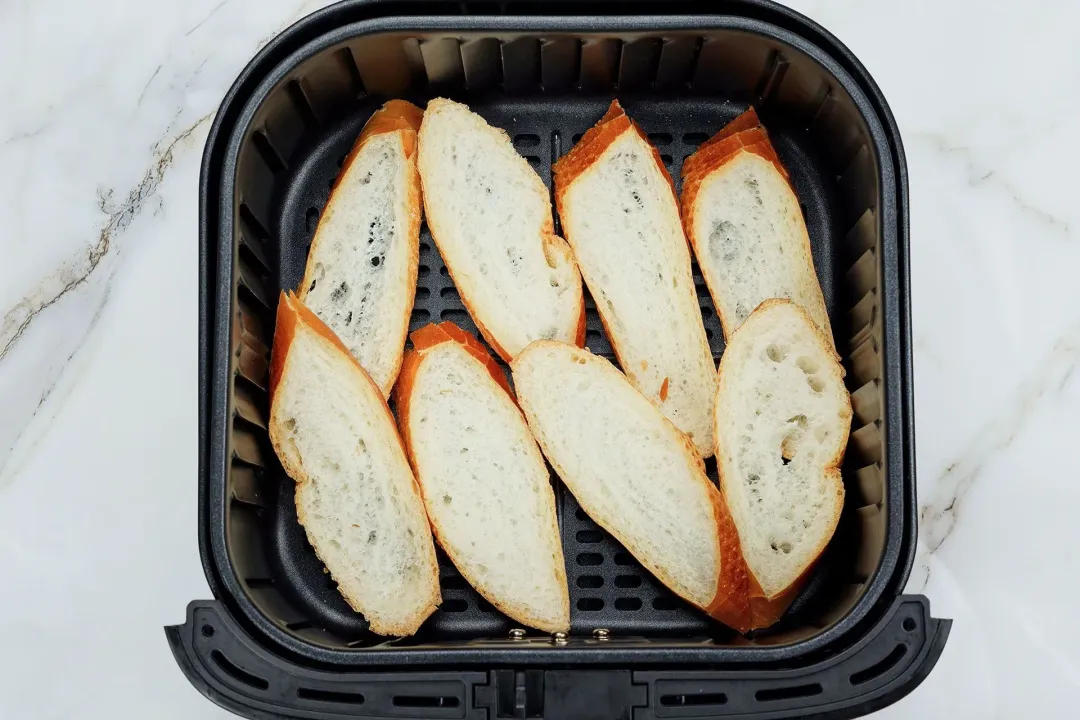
pixel 784 547
pixel 807 364
pixel 820 434
pixel 776 353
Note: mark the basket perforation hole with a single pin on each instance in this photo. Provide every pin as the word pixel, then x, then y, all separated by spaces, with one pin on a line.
pixel 449 292
pixel 426 701
pixel 425 247
pixel 695 138
pixel 208 631
pixel 423 271
pixel 667 159
pixel 454 605
pixel 665 603
pixel 238 673
pixel 589 536
pixel 660 139
pixel 628 604
pixel 311 219
pixel 628 581
pixel 534 161
pixel 581 514
pixel 444 271
pixel 624 558
pixel 590 582
pixel 880 667
pixel 590 559
pixel 422 293
pixel 698 699
pixel 526 140
pixel 330 696
pixel 590 604
pixel 455 316
pixel 788 693
pixel 484 606
pixel 419 315
pixel 577 137
pixel 910 624
pixel 453 582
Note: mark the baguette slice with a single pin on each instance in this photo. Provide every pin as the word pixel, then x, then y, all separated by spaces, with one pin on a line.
pixel 487 490
pixel 620 214
pixel 490 215
pixel 782 421
pixel 355 494
pixel 635 474
pixel 746 226
pixel 361 270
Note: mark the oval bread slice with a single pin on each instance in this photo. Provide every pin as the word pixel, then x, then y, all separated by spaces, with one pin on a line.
pixel 490 215
pixel 746 226
pixel 355 493
pixel 620 214
pixel 782 421
pixel 487 490
pixel 635 474
pixel 360 277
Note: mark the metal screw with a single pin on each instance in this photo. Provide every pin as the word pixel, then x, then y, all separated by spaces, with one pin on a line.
pixel 517 634
pixel 601 634
pixel 559 638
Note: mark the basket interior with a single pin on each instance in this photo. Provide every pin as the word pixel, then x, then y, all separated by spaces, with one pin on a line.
pixel 545 91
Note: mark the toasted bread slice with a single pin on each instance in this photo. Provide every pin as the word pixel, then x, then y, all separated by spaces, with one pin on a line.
pixel 635 474
pixel 620 215
pixel 490 215
pixel 746 226
pixel 484 482
pixel 782 420
pixel 355 494
pixel 360 277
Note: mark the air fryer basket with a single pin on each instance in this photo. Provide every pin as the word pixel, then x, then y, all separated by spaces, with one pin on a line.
pixel 276 147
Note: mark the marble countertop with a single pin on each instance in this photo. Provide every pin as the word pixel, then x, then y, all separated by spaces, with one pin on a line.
pixel 104 113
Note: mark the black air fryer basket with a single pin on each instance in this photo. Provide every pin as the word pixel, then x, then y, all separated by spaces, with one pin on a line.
pixel 279 641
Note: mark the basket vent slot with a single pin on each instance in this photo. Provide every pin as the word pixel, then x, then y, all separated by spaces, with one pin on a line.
pixel 237 673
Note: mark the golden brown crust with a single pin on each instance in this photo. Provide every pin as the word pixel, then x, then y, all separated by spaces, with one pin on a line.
pixel 403 118
pixel 766 610
pixel 293 317
pixel 729 604
pixel 424 340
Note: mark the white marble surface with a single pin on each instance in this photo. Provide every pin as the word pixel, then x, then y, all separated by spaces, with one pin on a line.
pixel 104 110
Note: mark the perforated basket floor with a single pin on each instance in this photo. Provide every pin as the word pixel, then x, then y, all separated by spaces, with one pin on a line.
pixel 608 588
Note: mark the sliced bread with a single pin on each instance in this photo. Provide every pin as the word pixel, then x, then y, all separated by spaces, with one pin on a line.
pixel 635 474
pixel 620 215
pixel 360 277
pixel 746 226
pixel 484 482
pixel 355 493
pixel 782 420
pixel 490 215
